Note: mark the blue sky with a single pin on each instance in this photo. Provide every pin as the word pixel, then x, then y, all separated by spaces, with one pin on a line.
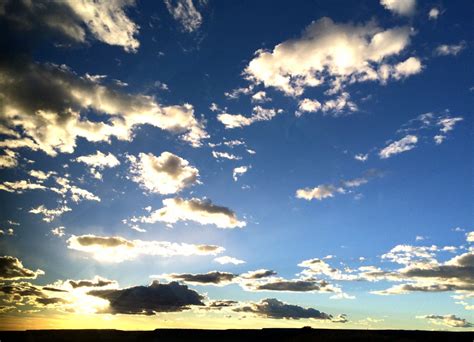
pixel 326 144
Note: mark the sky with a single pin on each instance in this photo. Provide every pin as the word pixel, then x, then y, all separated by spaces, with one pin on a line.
pixel 236 164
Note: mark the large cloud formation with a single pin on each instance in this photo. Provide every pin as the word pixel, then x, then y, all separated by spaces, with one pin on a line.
pixel 45 102
pixel 329 52
pixel 166 174
pixel 118 249
pixel 148 300
pixel 198 210
pixel 105 20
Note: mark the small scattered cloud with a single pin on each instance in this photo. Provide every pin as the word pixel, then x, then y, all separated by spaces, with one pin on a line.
pixel 224 260
pixel 165 174
pixel 239 171
pixel 238 120
pixel 406 143
pixel 450 50
pixel 98 162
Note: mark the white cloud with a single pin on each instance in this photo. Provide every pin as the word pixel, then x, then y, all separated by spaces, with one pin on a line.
pixel 239 171
pixel 165 174
pixel 447 50
pixel 185 13
pixel 328 53
pixel 470 237
pixel 224 260
pixel 434 13
pixel 20 186
pixel 260 96
pixel 339 104
pixel 53 124
pixel 98 161
pixel 308 105
pixel 107 21
pixel 118 249
pixel 361 157
pixel 49 214
pixel 320 192
pixel 225 155
pixel 404 144
pixel 59 231
pixel 239 120
pixel 451 321
pixel 194 209
pixel 400 7
pixel 41 175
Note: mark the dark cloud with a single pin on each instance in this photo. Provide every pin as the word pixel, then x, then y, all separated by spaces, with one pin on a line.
pixel 258 274
pixel 12 268
pixel 294 286
pixel 26 293
pixel 219 304
pixel 113 241
pixel 213 277
pixel 148 300
pixel 448 320
pixel 99 282
pixel 273 308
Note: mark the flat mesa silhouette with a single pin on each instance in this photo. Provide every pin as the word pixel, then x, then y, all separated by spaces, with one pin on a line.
pixel 273 334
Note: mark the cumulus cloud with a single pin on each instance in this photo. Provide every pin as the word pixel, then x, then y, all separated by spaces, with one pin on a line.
pixel 224 260
pixel 149 300
pixel 12 268
pixel 202 211
pixel 239 171
pixel 308 106
pixel 98 161
pixel 406 143
pixel 41 175
pixel 258 274
pixel 453 49
pixel 165 174
pixel 185 13
pixel 260 96
pixel 400 7
pixel 118 249
pixel 52 123
pixel 273 308
pixel 451 321
pixel 107 21
pixel 294 285
pixel 470 237
pixel 328 53
pixel 320 192
pixel 238 120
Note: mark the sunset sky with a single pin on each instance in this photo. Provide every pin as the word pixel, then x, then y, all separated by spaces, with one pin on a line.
pixel 236 164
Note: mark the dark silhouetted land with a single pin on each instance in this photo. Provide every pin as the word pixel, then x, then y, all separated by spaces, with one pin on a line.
pixel 296 335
